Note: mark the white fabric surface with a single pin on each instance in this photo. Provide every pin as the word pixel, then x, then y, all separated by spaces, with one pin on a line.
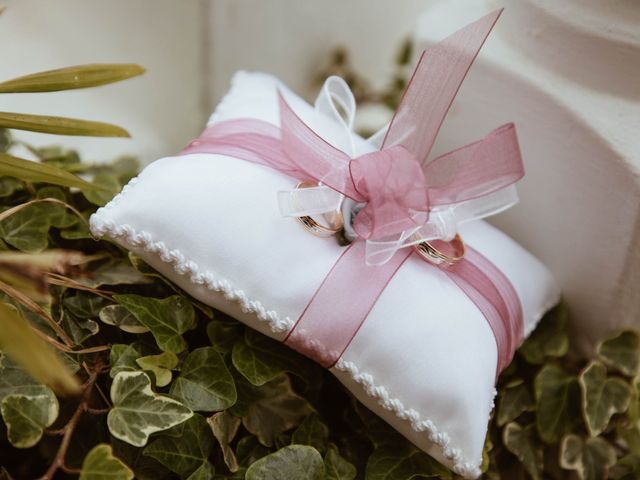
pixel 424 359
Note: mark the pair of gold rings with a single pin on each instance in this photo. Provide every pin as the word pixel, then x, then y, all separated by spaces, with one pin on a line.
pixel 455 249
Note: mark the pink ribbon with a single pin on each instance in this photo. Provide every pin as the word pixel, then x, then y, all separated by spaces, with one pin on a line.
pixel 398 188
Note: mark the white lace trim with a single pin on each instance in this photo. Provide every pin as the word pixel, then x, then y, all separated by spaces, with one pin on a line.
pixel 386 401
pixel 101 225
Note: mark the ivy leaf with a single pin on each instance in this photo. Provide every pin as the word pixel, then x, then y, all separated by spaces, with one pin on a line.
pixel 621 352
pixel 26 417
pixel 260 359
pixel 225 427
pixel 249 449
pixel 167 318
pixel 523 443
pixel 313 432
pixel 270 410
pixel 403 461
pixel 138 412
pixel 111 187
pixel 557 403
pixel 549 339
pixel 602 397
pixel 79 329
pixel 120 317
pixel 114 273
pixel 27 229
pixel 85 305
pixel 183 454
pixel 101 464
pixel 160 365
pixel 223 335
pixel 336 467
pixel 627 468
pixel 205 383
pixel 515 399
pixel 295 461
pixel 591 459
pixel 122 358
pixel 204 472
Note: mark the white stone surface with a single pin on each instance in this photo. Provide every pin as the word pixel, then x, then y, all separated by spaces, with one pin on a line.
pixel 568 74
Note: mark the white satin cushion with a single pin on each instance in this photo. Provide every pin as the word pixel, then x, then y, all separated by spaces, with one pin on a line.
pixel 425 358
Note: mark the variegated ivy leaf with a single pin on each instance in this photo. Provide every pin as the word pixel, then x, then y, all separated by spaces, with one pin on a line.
pixel 161 366
pixel 101 464
pixel 295 461
pixel 622 352
pixel 122 358
pixel 120 317
pixel 224 427
pixel 27 229
pixel 557 403
pixel 26 416
pixel 138 411
pixel 205 383
pixel 184 453
pixel 166 318
pixel 591 459
pixel 602 397
pixel 523 443
pixel 515 399
pixel 336 467
pixel 27 406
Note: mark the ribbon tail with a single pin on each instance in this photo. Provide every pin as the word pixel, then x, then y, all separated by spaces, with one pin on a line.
pixel 433 86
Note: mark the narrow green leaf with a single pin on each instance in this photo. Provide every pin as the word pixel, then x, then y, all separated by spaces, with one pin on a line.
pixel 205 383
pixel 138 411
pixel 101 464
pixel 295 462
pixel 557 403
pixel 590 459
pixel 602 397
pixel 523 443
pixel 19 341
pixel 161 366
pixel 185 453
pixel 622 352
pixel 167 318
pixel 60 125
pixel 29 171
pixel 80 76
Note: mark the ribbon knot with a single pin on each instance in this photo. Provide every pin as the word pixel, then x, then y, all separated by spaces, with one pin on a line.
pixel 392 184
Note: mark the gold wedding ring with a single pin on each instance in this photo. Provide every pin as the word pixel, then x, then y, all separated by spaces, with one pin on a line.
pixel 335 219
pixel 429 252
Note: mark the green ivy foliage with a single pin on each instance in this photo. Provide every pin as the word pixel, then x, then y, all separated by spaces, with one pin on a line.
pixel 174 389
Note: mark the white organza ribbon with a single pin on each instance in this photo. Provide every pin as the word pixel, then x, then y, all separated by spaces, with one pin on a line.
pixel 336 101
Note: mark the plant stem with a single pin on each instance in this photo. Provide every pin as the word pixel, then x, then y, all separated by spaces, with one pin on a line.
pixel 68 430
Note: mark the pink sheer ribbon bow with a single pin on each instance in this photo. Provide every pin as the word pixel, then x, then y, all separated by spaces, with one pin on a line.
pixel 398 190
